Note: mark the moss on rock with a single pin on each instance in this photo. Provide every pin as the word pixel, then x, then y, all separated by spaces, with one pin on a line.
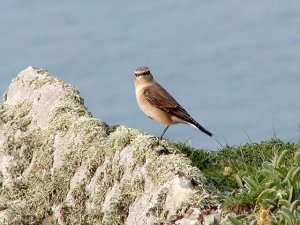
pixel 66 167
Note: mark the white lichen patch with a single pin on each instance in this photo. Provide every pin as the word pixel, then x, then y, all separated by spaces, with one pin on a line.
pixel 180 189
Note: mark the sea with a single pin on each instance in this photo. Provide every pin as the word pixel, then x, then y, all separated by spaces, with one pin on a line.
pixel 233 65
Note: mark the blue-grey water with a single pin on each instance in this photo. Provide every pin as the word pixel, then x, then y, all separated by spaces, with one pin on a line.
pixel 234 65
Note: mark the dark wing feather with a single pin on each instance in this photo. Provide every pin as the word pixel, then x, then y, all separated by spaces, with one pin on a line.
pixel 161 99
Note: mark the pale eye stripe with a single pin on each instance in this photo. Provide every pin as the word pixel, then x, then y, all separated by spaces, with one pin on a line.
pixel 142 74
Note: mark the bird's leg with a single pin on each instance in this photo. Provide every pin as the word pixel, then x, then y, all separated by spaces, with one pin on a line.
pixel 164 131
pixel 159 147
pixel 162 149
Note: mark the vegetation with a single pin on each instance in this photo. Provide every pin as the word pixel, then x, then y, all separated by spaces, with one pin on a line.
pixel 259 183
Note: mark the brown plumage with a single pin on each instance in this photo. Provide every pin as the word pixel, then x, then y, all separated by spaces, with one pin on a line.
pixel 158 104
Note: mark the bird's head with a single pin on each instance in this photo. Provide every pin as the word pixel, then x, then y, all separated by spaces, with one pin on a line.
pixel 143 74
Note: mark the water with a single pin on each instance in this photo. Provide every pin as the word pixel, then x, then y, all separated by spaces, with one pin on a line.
pixel 235 66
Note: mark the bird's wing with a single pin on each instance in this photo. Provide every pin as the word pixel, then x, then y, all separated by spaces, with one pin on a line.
pixel 160 98
pixel 157 96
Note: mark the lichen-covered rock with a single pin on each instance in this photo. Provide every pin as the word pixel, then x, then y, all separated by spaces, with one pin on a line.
pixel 59 165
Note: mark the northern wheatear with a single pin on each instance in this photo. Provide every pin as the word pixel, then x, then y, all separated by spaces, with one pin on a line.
pixel 158 104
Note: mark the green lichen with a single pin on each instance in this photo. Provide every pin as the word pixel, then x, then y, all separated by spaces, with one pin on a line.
pixel 70 109
pixel 31 193
pixel 158 210
pixel 171 164
pixel 5 96
pixel 37 193
pixel 201 199
pixel 18 117
pixel 1 179
pixel 121 201
pixel 42 72
pixel 76 214
pixel 39 81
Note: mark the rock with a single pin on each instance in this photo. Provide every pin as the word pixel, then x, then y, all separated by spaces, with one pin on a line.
pixel 59 165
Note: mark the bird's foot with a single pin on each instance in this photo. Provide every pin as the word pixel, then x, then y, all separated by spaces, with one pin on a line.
pixel 162 150
pixel 159 147
pixel 155 143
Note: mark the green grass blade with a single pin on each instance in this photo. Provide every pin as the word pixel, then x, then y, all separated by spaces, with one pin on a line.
pixel 289 213
pixel 295 174
pixel 294 205
pixel 267 165
pixel 291 172
pixel 250 184
pixel 267 173
pixel 285 203
pixel 263 195
pixel 297 158
pixel 234 220
pixel 292 194
pixel 285 217
pixel 239 181
pixel 281 158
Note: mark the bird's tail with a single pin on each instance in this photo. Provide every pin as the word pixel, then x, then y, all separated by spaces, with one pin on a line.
pixel 195 124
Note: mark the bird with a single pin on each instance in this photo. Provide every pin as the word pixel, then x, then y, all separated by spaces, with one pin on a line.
pixel 158 104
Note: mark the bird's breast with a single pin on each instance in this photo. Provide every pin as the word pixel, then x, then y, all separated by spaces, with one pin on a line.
pixel 150 110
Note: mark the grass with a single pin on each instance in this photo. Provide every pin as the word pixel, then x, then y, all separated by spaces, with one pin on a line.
pixel 255 181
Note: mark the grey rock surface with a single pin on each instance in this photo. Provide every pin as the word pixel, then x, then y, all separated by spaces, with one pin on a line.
pixel 59 165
